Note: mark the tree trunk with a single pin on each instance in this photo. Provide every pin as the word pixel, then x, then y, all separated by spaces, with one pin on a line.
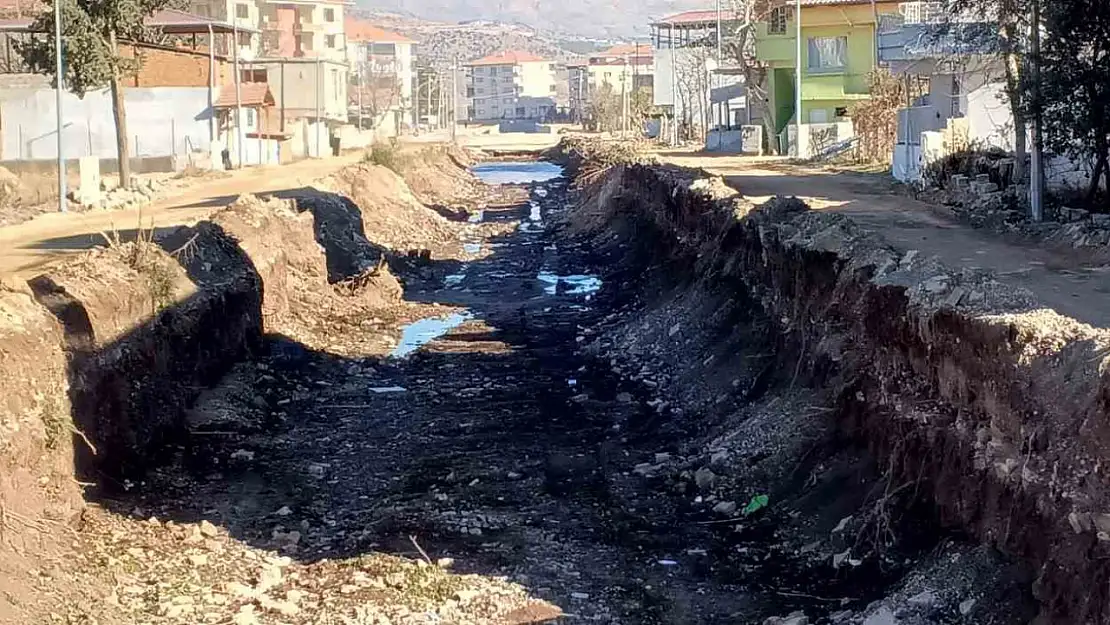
pixel 123 150
pixel 1102 169
pixel 1014 95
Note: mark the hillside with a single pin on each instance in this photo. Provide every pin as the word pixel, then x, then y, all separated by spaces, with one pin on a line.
pixel 442 42
pixel 603 19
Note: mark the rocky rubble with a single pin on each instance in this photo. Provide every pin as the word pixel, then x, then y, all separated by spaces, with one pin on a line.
pixel 982 204
pixel 912 359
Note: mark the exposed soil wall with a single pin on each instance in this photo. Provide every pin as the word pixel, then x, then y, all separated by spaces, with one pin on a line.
pixel 951 380
pixel 102 356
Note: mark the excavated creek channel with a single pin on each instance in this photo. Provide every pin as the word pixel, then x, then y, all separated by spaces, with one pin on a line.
pixel 490 436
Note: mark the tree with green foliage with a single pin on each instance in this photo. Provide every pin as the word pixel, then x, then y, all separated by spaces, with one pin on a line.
pixel 1075 84
pixel 92 31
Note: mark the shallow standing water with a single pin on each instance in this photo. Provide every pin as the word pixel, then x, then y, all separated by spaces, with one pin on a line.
pixel 517 172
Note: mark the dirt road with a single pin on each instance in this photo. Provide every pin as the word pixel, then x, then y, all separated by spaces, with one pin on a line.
pixel 27 246
pixel 1059 282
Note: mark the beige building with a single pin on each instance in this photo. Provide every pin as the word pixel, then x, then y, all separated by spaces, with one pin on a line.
pixel 511 85
pixel 382 76
pixel 622 69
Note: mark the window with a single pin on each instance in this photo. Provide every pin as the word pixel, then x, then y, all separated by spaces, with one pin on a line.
pixel 478 80
pixel 250 118
pixel 253 75
pixel 244 40
pixel 481 91
pixel 827 54
pixel 777 24
pixel 553 87
pixel 841 111
pixel 329 15
pixel 242 10
pixel 469 91
pixel 329 41
pixel 520 111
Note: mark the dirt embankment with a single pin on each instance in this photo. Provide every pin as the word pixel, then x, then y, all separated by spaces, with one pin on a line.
pixel 102 356
pixel 960 389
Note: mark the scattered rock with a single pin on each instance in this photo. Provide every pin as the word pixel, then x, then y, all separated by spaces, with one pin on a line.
pixel 705 478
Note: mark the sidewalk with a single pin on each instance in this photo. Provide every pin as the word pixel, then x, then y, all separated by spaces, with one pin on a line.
pixel 1065 284
pixel 25 248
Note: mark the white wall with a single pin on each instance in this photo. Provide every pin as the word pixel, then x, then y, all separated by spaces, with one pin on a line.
pixel 989 119
pixel 160 121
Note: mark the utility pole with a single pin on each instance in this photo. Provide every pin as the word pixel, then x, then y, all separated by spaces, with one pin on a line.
pixel 1036 170
pixel 455 100
pixel 798 79
pixel 238 94
pixel 358 78
pixel 58 88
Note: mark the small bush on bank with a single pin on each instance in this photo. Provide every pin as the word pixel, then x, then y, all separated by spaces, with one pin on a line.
pixel 387 155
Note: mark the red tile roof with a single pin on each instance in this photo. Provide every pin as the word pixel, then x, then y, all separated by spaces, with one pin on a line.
pixel 709 16
pixel 511 57
pixel 251 94
pixel 627 49
pixel 359 30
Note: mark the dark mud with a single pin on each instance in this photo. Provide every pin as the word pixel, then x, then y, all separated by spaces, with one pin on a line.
pixel 530 441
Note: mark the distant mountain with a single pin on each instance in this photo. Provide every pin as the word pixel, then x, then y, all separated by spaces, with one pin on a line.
pixel 440 43
pixel 604 19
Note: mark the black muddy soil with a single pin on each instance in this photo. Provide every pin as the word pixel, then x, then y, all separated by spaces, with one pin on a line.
pixel 499 441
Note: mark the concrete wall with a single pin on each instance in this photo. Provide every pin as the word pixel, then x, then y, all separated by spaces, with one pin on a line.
pixel 161 121
pixel 294 84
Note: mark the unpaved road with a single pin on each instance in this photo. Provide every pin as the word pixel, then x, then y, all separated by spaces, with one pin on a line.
pixel 28 246
pixel 1061 283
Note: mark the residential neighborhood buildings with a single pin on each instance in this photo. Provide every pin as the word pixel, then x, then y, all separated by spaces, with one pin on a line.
pixel 511 85
pixel 625 68
pixel 382 76
pixel 688 76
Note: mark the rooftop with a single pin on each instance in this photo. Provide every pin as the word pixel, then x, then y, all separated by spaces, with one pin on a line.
pixel 510 57
pixel 170 21
pixel 709 16
pixel 363 31
pixel 251 94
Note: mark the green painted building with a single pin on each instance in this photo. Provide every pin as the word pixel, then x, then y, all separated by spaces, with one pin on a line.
pixel 838 52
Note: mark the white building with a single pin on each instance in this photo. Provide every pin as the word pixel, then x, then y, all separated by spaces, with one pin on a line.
pixel 382 76
pixel 696 94
pixel 511 86
pixel 964 100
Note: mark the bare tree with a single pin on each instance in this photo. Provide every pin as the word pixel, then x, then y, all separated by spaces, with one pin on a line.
pixel 377 88
pixel 739 47
pixel 692 85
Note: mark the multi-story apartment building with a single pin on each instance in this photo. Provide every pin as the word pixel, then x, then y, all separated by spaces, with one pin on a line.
pixel 621 69
pixel 511 85
pixel 299 49
pixel 382 75
pixel 303 28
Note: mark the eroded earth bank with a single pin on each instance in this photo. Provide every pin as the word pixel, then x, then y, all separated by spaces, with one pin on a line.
pixel 614 393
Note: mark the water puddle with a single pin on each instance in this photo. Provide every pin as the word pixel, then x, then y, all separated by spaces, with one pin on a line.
pixel 569 285
pixel 472 248
pixel 454 279
pixel 424 331
pixel 523 172
pixel 531 227
pixel 477 218
pixel 535 213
